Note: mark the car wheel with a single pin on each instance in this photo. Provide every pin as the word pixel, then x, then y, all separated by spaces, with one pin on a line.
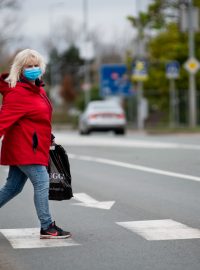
pixel 120 131
pixel 86 132
pixel 81 132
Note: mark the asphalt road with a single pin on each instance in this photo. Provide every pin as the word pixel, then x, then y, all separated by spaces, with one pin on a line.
pixel 155 184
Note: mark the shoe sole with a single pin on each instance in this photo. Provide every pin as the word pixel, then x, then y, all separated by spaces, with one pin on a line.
pixel 54 237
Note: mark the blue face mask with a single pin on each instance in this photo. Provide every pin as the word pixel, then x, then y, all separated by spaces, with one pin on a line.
pixel 32 74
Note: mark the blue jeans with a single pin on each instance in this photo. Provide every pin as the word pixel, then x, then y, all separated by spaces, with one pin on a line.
pixel 39 177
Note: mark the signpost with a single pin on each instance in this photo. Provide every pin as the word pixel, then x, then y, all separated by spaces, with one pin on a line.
pixel 192 64
pixel 172 73
pixel 114 81
pixel 140 74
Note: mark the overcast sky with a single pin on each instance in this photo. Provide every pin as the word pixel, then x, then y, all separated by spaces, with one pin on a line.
pixel 107 15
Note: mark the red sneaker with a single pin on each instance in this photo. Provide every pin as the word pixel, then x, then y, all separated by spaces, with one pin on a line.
pixel 54 232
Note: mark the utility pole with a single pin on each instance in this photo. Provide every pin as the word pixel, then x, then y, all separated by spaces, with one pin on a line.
pixel 192 80
pixel 140 52
pixel 190 22
pixel 172 103
pixel 140 120
pixel 173 73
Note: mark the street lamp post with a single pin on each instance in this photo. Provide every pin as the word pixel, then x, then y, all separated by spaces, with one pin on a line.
pixel 86 61
pixel 53 65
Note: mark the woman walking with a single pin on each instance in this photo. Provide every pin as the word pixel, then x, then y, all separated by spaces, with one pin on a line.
pixel 25 125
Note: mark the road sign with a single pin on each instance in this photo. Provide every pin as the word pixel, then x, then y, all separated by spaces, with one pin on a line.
pixel 172 70
pixel 192 65
pixel 114 81
pixel 140 72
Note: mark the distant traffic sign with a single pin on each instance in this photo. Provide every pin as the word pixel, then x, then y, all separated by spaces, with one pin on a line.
pixel 140 72
pixel 172 70
pixel 192 65
pixel 114 81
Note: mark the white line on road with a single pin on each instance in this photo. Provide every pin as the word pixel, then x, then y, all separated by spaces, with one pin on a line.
pixel 88 201
pixel 30 238
pixel 5 169
pixel 135 167
pixel 155 230
pixel 122 142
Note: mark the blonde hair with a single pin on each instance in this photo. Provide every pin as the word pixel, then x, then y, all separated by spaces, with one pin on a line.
pixel 20 61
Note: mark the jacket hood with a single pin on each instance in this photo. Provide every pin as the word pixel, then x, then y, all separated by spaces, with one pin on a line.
pixel 5 88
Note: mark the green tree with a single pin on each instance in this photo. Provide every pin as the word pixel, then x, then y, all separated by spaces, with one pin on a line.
pixel 168 44
pixel 67 70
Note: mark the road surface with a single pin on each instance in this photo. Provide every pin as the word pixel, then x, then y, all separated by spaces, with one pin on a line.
pixel 136 206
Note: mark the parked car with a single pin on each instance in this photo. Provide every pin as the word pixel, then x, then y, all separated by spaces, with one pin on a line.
pixel 102 116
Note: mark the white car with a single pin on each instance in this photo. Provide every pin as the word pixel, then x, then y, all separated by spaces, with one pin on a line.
pixel 102 116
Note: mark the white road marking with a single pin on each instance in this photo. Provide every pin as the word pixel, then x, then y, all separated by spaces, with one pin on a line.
pixel 135 167
pixel 167 229
pixel 76 140
pixel 30 238
pixel 5 169
pixel 88 201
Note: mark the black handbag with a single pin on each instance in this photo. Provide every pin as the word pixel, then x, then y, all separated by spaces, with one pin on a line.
pixel 59 174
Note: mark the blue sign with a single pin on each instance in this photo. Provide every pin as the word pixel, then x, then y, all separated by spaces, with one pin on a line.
pixel 172 70
pixel 114 81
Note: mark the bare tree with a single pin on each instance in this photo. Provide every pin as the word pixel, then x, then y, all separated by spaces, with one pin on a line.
pixel 8 4
pixel 7 25
pixel 62 35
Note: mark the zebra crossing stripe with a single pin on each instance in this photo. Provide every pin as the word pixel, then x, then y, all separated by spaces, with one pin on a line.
pixel 157 230
pixel 30 238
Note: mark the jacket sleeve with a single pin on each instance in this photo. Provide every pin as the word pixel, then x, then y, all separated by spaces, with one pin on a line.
pixel 11 111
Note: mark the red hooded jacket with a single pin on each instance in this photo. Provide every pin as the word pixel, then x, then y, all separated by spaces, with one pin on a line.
pixel 25 124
